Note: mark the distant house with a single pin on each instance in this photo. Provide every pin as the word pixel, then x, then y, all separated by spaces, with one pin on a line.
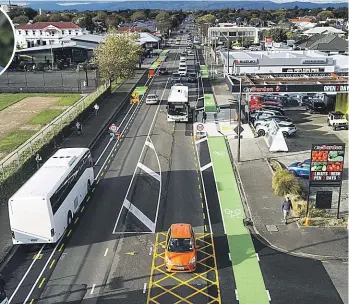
pixel 323 30
pixel 328 43
pixel 45 33
pixel 299 20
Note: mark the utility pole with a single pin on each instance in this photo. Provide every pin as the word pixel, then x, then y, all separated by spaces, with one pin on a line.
pixel 239 121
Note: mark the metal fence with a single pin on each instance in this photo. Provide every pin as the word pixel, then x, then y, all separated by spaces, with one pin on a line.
pixel 49 82
pixel 13 162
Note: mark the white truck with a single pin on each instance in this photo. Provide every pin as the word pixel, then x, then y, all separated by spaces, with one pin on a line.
pixel 178 103
pixel 337 120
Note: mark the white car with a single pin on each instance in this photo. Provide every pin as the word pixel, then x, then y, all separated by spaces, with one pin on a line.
pixel 182 70
pixel 267 120
pixel 182 58
pixel 152 99
pixel 287 129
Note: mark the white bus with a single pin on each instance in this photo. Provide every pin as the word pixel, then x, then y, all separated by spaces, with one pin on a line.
pixel 178 103
pixel 42 209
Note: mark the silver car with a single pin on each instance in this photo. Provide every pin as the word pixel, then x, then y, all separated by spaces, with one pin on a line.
pixel 152 99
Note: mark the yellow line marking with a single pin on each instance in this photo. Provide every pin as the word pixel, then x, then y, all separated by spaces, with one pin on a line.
pixel 152 267
pixel 108 162
pixel 93 189
pixel 88 199
pixel 113 154
pixel 105 168
pixel 202 205
pixel 69 233
pixel 42 282
pixel 201 198
pixel 82 209
pixel 102 173
pixel 60 248
pixel 76 220
pixel 203 214
pixel 52 263
pixel 198 179
pixel 38 256
pixel 205 228
pixel 32 301
pixel 97 182
pixel 199 187
pixel 215 268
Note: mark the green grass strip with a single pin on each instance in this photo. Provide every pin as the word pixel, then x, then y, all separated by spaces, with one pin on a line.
pixel 248 276
pixel 68 100
pixel 7 100
pixel 14 139
pixel 44 117
pixel 209 103
pixel 203 71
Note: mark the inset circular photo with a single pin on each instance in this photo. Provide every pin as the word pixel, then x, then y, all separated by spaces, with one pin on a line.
pixel 7 41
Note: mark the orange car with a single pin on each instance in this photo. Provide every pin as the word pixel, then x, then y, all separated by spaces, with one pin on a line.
pixel 180 252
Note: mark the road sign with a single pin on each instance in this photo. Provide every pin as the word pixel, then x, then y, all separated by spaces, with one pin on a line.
pixel 236 129
pixel 113 128
pixel 200 127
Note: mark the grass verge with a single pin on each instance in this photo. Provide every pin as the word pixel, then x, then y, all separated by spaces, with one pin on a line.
pixel 68 100
pixel 44 117
pixel 9 99
pixel 14 139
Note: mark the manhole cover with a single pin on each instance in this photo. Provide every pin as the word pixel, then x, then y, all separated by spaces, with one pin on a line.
pixel 272 228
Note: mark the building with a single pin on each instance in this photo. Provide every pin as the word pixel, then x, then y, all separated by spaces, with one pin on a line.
pixel 266 62
pixel 7 7
pixel 323 30
pixel 328 43
pixel 45 33
pixel 235 34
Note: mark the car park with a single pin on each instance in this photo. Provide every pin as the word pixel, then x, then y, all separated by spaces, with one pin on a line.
pixel 180 250
pixel 315 106
pixel 266 120
pixel 301 169
pixel 337 120
pixel 152 99
pixel 287 129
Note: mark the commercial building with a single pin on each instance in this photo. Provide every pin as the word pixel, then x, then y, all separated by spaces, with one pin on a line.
pixel 266 62
pixel 324 30
pixel 233 34
pixel 45 33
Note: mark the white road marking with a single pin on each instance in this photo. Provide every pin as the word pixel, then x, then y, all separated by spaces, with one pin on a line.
pixel 200 140
pixel 106 252
pixel 42 271
pixel 229 256
pixel 257 256
pixel 236 294
pixel 142 217
pixel 26 273
pixel 144 287
pixel 268 295
pixel 93 288
pixel 209 165
pixel 149 171
pixel 150 250
pixel 150 145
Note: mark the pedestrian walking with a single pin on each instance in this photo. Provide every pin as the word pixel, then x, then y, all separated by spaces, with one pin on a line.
pixel 196 115
pixel 34 67
pixel 204 117
pixel 286 208
pixel 78 128
pixel 38 160
pixel 96 107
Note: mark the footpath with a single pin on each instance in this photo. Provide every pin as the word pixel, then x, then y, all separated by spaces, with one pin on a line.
pixel 92 129
pixel 263 206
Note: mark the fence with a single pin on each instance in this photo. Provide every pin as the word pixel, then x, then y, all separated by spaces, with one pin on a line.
pixel 49 82
pixel 14 161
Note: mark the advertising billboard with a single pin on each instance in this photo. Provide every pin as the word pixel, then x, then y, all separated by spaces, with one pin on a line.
pixel 327 162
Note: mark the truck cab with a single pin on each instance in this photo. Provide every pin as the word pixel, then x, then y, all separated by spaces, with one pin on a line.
pixel 337 120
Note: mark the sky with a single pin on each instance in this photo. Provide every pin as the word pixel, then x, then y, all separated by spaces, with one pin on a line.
pixel 104 1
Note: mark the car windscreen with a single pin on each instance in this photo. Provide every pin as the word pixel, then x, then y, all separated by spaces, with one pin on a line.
pixel 182 69
pixel 338 116
pixel 319 104
pixel 180 245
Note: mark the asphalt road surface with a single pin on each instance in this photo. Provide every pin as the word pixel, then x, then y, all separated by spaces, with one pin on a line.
pixel 150 181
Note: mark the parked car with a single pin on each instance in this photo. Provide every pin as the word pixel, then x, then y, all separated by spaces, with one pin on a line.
pixel 180 249
pixel 315 106
pixel 152 99
pixel 287 129
pixel 163 71
pixel 267 107
pixel 300 168
pixel 267 120
pixel 260 114
pixel 337 120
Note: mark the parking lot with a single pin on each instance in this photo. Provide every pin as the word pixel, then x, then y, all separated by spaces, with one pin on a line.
pixel 48 82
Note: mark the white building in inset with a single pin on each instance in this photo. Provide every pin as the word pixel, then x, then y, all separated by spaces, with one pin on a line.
pixel 222 34
pixel 45 33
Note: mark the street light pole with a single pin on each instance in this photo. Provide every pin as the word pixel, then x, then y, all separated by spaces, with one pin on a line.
pixel 239 121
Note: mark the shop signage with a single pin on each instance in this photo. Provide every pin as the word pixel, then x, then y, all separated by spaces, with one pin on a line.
pixel 284 88
pixel 246 61
pixel 314 61
pixel 301 75
pixel 303 70
pixel 327 162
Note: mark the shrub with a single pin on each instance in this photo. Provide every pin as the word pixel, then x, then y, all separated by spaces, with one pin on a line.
pixel 285 183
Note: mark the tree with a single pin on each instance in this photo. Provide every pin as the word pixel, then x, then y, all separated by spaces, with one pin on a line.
pixel 41 18
pixel 163 22
pixel 138 15
pixel 85 22
pixel 277 34
pixel 55 17
pixel 322 16
pixel 117 56
pixel 101 16
pixel 20 19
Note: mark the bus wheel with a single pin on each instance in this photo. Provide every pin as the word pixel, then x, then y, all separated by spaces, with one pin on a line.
pixel 70 218
pixel 88 186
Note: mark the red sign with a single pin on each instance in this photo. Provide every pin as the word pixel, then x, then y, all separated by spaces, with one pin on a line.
pixel 268 39
pixel 327 163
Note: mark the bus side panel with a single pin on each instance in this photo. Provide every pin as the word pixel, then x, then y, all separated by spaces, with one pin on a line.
pixel 30 220
pixel 72 202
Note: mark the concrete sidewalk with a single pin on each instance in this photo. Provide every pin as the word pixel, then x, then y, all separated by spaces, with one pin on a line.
pixel 92 128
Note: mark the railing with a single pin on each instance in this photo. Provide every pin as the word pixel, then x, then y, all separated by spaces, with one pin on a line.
pixel 12 162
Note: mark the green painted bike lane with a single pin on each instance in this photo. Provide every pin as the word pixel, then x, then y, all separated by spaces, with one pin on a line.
pixel 248 276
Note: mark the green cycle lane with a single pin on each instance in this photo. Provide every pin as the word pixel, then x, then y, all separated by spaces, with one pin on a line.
pixel 209 103
pixel 248 276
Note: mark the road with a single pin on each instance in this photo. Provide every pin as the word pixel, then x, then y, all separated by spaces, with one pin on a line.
pixel 146 182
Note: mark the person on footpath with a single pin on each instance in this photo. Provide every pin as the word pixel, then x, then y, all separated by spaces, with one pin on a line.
pixel 286 208
pixel 79 127
pixel 96 107
pixel 38 160
pixel 204 116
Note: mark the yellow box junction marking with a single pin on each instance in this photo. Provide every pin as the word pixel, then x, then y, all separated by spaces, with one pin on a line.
pixel 38 256
pixel 166 284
